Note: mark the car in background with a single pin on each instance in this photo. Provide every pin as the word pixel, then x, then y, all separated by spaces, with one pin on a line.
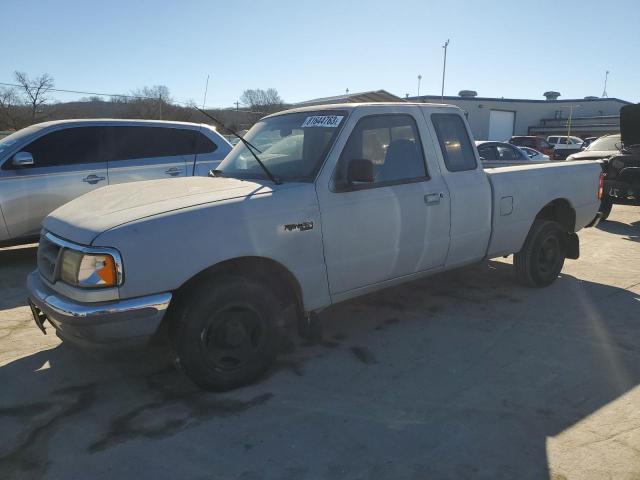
pixel 621 181
pixel 495 154
pixel 563 145
pixel 587 141
pixel 537 143
pixel 603 147
pixel 535 155
pixel 49 164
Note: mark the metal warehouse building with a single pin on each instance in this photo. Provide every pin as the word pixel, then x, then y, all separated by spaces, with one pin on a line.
pixel 500 118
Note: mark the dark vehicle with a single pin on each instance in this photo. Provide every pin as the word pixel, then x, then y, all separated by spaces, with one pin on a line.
pixel 621 180
pixel 603 147
pixel 537 143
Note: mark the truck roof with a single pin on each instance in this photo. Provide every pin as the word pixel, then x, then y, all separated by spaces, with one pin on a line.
pixel 357 106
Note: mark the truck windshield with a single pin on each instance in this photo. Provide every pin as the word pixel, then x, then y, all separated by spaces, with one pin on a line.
pixel 292 146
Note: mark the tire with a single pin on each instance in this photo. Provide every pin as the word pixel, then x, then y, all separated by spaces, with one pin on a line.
pixel 605 208
pixel 227 333
pixel 542 256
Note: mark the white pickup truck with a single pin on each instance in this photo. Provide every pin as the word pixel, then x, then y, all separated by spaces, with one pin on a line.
pixel 332 203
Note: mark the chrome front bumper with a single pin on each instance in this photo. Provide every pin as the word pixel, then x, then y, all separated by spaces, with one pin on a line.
pixel 121 322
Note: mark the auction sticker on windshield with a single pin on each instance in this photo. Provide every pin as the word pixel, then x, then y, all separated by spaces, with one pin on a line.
pixel 325 121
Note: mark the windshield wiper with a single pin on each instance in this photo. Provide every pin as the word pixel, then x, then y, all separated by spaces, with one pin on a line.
pixel 246 143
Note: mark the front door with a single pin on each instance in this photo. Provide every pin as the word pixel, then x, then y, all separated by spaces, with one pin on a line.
pixel 67 164
pixel 396 225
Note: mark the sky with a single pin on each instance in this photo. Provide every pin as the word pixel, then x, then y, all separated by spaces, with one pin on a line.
pixel 310 49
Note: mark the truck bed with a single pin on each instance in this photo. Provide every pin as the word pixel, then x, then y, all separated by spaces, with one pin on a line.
pixel 520 192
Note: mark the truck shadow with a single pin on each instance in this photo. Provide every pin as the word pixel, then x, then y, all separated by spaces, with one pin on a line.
pixel 15 264
pixel 460 375
pixel 632 230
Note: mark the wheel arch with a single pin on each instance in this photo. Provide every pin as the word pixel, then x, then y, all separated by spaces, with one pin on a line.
pixel 276 276
pixel 561 211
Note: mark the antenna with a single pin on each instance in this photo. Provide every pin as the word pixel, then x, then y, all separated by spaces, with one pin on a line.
pixel 444 69
pixel 206 88
pixel 606 77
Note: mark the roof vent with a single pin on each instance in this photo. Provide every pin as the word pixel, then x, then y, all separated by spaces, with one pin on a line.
pixel 468 93
pixel 591 97
pixel 551 95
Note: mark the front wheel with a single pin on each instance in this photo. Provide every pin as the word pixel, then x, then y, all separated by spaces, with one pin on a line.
pixel 227 334
pixel 542 256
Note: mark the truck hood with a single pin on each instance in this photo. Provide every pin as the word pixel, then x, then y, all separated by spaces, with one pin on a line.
pixel 630 125
pixel 84 218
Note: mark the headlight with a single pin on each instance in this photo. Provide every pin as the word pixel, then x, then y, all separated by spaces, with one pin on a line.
pixel 90 270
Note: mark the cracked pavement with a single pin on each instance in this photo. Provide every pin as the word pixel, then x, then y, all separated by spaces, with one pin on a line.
pixel 464 374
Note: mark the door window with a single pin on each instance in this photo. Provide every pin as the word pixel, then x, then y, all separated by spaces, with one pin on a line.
pixel 391 143
pixel 69 146
pixel 454 142
pixel 487 152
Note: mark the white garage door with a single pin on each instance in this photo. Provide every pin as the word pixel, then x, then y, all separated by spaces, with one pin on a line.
pixel 501 125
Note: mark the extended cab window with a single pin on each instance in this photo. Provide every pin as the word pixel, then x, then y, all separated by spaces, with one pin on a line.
pixel 391 143
pixel 454 142
pixel 69 146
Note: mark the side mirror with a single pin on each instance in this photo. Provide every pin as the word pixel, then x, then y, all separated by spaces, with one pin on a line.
pixel 22 159
pixel 360 170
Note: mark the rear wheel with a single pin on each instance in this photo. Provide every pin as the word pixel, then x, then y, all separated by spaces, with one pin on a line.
pixel 542 256
pixel 605 208
pixel 227 334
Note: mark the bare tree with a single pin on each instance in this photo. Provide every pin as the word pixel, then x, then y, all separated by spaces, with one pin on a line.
pixel 9 109
pixel 262 101
pixel 149 102
pixel 35 91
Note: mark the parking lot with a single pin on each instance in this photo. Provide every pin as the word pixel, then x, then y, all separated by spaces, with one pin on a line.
pixel 461 375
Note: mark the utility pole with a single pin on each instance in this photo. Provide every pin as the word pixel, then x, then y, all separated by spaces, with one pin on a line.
pixel 419 80
pixel 570 116
pixel 606 77
pixel 160 105
pixel 444 69
pixel 237 115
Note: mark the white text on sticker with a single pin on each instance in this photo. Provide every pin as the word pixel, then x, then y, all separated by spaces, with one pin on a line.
pixel 325 121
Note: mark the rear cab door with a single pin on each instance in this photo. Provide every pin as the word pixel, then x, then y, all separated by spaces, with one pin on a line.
pixel 68 162
pixel 136 153
pixel 471 200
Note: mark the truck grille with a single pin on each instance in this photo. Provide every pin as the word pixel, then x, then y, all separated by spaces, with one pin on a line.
pixel 48 253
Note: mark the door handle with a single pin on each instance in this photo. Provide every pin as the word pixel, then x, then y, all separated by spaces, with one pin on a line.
pixel 93 179
pixel 173 171
pixel 433 198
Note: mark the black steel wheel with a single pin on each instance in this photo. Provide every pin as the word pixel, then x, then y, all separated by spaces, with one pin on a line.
pixel 542 257
pixel 227 334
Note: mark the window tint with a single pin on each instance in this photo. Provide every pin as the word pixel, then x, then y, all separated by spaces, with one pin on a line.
pixel 131 142
pixel 66 147
pixel 524 142
pixel 544 143
pixel 487 152
pixel 204 144
pixel 391 143
pixel 454 142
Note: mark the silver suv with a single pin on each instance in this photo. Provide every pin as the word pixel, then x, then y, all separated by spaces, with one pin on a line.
pixel 46 165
